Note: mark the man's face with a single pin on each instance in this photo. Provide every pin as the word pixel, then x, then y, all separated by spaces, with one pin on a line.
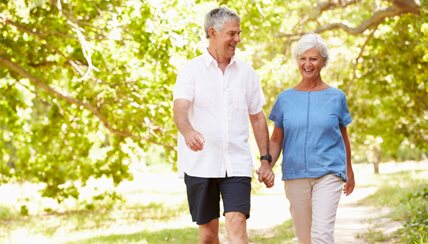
pixel 226 40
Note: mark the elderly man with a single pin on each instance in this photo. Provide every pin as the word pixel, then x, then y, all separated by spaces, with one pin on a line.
pixel 213 97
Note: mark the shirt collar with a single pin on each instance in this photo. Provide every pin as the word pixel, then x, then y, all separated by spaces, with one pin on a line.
pixel 208 59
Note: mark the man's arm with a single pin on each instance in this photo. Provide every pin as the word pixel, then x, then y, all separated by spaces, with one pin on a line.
pixel 194 140
pixel 261 133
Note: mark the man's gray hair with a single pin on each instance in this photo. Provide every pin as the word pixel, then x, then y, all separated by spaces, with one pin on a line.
pixel 217 18
pixel 309 41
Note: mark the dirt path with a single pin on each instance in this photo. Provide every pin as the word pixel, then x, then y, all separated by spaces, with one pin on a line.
pixel 270 208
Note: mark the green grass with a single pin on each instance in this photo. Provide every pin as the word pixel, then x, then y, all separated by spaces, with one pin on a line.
pixel 185 235
pixel 406 193
pixel 374 236
pixel 283 233
pixel 85 220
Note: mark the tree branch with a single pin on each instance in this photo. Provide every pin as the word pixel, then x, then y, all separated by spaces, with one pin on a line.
pixel 39 34
pixel 38 83
pixel 399 7
pixel 354 70
pixel 329 5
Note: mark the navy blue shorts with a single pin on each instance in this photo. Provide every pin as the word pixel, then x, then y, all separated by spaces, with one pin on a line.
pixel 203 195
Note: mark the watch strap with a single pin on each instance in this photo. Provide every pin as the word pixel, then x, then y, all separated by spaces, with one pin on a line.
pixel 266 157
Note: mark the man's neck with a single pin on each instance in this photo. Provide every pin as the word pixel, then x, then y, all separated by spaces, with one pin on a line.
pixel 219 58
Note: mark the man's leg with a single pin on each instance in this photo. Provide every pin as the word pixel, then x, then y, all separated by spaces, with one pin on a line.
pixel 204 198
pixel 236 227
pixel 235 192
pixel 208 233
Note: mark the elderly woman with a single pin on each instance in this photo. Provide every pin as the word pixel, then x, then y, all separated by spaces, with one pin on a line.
pixel 310 128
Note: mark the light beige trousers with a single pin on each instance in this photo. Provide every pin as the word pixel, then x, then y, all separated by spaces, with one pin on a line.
pixel 313 206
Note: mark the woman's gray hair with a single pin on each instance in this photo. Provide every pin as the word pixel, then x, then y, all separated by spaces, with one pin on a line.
pixel 217 17
pixel 309 41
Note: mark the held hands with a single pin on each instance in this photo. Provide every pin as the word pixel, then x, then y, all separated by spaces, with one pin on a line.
pixel 266 174
pixel 194 140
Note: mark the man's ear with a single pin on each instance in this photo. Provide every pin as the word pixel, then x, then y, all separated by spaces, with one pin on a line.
pixel 211 32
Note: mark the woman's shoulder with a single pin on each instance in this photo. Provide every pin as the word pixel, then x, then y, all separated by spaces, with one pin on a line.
pixel 336 91
pixel 285 93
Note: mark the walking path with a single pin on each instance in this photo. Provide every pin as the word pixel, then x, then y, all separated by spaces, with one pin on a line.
pixel 271 208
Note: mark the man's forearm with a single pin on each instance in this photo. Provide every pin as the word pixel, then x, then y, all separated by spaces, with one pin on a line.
pixel 261 132
pixel 181 116
pixel 182 123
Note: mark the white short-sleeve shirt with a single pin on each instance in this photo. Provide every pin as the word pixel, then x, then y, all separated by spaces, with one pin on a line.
pixel 220 107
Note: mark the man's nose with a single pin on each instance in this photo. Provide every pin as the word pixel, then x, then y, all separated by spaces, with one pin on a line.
pixel 237 38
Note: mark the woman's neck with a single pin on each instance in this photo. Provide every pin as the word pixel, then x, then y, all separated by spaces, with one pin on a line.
pixel 311 85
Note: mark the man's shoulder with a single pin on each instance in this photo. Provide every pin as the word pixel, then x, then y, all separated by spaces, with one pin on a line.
pixel 191 64
pixel 196 60
pixel 244 65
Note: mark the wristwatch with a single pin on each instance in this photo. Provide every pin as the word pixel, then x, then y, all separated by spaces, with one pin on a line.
pixel 266 157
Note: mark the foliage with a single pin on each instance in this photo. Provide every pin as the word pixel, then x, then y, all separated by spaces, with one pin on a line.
pixel 388 93
pixel 415 228
pixel 407 195
pixel 86 86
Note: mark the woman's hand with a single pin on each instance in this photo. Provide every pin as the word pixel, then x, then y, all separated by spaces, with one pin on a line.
pixel 348 188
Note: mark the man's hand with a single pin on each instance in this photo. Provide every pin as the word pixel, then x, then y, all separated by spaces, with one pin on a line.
pixel 265 174
pixel 194 140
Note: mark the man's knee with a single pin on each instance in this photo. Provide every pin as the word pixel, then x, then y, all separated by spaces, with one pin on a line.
pixel 208 233
pixel 236 218
pixel 236 226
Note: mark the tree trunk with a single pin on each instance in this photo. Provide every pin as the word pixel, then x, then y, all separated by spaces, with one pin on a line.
pixel 376 161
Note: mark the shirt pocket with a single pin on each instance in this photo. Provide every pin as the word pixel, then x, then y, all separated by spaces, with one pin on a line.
pixel 239 102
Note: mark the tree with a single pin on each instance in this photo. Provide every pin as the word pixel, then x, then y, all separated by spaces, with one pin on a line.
pixel 86 86
pixel 392 82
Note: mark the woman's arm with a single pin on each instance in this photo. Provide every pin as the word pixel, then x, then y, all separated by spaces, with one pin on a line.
pixel 275 144
pixel 350 184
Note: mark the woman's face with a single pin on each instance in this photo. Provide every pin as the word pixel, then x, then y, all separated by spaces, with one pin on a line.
pixel 310 64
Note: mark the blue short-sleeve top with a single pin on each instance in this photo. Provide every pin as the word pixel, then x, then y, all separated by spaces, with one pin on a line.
pixel 313 145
